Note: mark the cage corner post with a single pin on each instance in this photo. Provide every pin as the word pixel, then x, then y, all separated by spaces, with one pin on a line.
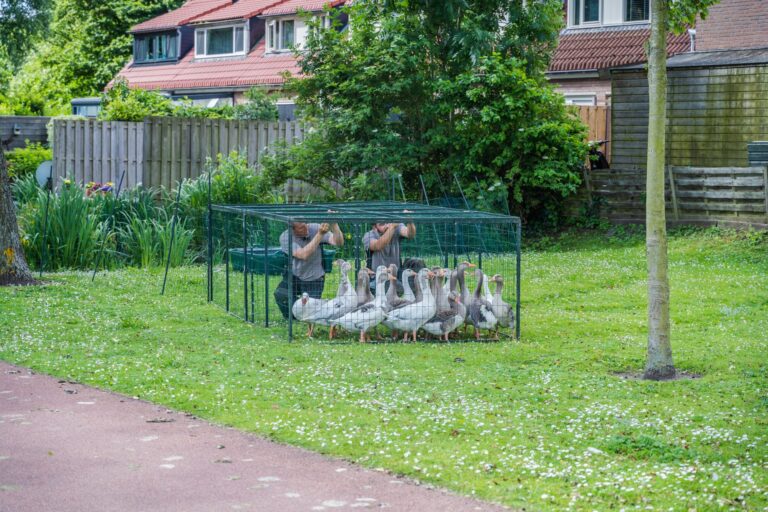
pixel 291 287
pixel 518 245
pixel 245 268
pixel 266 273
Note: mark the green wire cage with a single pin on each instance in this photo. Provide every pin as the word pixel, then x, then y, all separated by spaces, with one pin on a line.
pixel 249 274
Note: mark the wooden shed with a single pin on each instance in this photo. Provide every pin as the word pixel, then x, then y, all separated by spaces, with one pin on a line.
pixel 717 104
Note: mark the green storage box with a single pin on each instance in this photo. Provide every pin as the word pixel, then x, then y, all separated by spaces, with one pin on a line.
pixel 276 260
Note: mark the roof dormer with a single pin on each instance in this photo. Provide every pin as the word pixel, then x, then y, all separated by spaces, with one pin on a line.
pixel 221 40
pixel 155 47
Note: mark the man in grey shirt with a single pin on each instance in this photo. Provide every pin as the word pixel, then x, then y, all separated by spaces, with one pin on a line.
pixel 307 264
pixel 383 242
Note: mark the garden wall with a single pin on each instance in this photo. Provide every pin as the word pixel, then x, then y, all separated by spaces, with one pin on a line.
pixel 157 151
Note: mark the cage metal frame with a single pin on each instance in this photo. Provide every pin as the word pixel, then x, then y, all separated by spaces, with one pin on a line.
pixel 356 212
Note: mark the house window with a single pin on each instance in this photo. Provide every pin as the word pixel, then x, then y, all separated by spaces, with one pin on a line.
pixel 636 10
pixel 156 47
pixel 220 41
pixel 583 100
pixel 280 35
pixel 586 11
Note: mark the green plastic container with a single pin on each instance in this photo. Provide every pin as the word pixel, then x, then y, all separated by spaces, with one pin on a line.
pixel 276 260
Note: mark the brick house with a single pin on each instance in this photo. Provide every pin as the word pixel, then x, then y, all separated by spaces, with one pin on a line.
pixel 212 51
pixel 605 34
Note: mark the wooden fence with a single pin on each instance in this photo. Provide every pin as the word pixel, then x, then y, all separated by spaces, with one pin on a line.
pixel 598 119
pixel 158 151
pixel 694 195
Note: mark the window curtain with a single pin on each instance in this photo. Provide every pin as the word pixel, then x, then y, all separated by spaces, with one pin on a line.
pixel 637 10
pixel 287 35
pixel 219 41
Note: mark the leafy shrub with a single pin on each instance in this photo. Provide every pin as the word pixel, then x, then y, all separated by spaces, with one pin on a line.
pixel 25 161
pixel 259 107
pixel 123 103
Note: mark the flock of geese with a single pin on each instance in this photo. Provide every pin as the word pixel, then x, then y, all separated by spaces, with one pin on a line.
pixel 439 303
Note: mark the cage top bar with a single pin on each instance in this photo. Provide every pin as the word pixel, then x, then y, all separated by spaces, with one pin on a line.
pixel 365 211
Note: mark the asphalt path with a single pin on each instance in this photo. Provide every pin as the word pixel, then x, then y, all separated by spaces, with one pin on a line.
pixel 68 447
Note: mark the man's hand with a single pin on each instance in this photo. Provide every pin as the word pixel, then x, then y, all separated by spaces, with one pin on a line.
pixel 393 226
pixel 324 228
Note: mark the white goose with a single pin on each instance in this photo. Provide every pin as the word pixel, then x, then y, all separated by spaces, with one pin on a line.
pixel 411 317
pixel 305 307
pixel 344 302
pixel 368 315
pixel 502 310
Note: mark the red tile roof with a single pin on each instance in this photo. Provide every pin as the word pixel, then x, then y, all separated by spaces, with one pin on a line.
pixel 180 16
pixel 190 73
pixel 589 50
pixel 242 9
pixel 292 6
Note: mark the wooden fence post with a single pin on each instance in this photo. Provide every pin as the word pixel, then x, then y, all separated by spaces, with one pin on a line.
pixel 673 192
pixel 765 189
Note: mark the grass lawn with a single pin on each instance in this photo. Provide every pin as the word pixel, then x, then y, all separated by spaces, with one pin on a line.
pixel 542 423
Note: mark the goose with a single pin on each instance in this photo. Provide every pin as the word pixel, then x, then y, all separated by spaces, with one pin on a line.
pixel 487 295
pixel 460 272
pixel 480 311
pixel 304 308
pixel 344 302
pixel 438 290
pixel 393 301
pixel 363 286
pixel 368 315
pixel 502 310
pixel 445 322
pixel 411 317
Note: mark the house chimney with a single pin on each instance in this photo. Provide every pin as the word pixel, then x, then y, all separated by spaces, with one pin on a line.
pixel 692 35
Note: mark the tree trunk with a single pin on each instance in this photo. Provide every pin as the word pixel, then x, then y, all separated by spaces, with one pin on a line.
pixel 13 265
pixel 659 363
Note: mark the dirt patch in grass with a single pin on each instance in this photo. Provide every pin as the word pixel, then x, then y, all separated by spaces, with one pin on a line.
pixel 638 375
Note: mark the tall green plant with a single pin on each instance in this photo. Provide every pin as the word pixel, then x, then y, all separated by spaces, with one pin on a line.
pixel 73 229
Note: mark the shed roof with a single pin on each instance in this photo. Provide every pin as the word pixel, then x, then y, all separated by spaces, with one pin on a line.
pixel 607 47
pixel 714 58
pixel 180 16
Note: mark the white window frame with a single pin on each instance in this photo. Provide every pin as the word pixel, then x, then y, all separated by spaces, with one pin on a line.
pixel 572 14
pixel 602 22
pixel 202 53
pixel 584 99
pixel 275 32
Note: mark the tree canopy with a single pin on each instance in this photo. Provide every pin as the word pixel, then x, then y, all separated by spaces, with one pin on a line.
pixel 420 88
pixel 85 45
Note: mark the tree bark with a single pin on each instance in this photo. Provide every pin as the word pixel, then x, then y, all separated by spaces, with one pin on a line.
pixel 659 364
pixel 13 265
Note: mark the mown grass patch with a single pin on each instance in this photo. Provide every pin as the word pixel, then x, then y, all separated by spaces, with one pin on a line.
pixel 542 423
